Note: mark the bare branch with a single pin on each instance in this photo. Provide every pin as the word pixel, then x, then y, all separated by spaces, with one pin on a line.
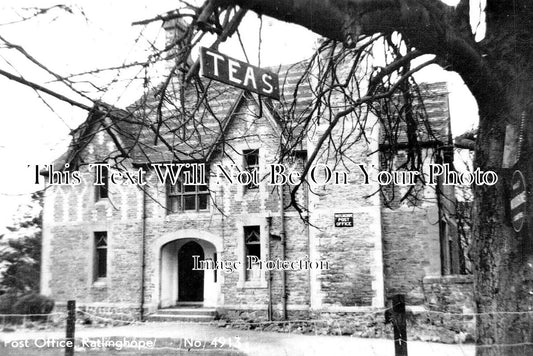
pixel 44 90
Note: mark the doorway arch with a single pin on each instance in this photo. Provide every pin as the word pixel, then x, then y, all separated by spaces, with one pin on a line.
pixel 166 251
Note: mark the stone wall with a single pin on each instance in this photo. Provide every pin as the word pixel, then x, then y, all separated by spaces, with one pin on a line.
pixel 101 313
pixel 453 294
pixel 411 250
pixel 72 214
pixel 370 323
pixel 450 300
pixel 355 278
pixel 399 245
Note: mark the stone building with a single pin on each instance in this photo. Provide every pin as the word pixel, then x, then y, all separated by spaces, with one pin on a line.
pixel 126 247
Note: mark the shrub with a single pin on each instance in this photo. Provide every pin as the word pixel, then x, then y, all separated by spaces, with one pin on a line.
pixel 7 301
pixel 34 304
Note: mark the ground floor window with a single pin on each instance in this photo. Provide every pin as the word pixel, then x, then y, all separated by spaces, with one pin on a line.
pixel 252 249
pixel 100 255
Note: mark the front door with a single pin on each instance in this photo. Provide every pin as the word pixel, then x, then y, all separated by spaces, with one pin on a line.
pixel 190 283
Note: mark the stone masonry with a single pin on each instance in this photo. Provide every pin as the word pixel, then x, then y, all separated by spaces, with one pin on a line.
pixel 387 251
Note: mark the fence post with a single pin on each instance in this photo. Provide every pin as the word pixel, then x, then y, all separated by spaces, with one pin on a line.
pixel 399 324
pixel 71 325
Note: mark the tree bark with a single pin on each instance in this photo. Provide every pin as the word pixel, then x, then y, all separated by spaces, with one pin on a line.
pixel 499 73
pixel 503 258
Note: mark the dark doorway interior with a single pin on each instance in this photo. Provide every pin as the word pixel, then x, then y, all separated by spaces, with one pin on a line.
pixel 190 283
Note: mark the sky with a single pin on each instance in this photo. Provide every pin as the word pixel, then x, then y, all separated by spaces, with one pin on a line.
pixel 35 129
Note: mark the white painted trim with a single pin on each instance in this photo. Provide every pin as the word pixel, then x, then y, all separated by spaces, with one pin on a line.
pixel 186 234
pixel 193 234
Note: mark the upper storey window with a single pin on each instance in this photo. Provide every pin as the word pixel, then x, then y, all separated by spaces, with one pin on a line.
pixel 251 164
pixel 187 197
pixel 102 183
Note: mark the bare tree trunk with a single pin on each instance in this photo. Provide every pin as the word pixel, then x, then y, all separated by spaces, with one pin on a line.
pixel 503 259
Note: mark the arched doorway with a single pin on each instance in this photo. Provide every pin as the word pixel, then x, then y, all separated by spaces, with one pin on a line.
pixel 171 258
pixel 190 282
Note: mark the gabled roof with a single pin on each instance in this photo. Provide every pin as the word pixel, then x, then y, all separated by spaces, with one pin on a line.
pixel 167 132
pixel 154 130
pixel 97 119
pixel 246 98
pixel 435 130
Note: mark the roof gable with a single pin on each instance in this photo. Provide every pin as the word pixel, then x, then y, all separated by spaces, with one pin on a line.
pixel 187 123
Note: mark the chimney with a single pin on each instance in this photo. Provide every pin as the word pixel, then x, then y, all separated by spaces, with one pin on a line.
pixel 174 30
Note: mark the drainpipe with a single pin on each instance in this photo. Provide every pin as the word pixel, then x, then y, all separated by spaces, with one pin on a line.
pixel 143 250
pixel 443 236
pixel 269 277
pixel 283 272
pixel 308 233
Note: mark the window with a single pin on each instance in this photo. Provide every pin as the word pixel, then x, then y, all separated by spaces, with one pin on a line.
pixel 100 255
pixel 252 248
pixel 251 164
pixel 187 197
pixel 296 163
pixel 102 190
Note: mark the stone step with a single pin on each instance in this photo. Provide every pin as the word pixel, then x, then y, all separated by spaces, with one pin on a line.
pixel 187 311
pixel 177 318
pixel 192 312
pixel 190 304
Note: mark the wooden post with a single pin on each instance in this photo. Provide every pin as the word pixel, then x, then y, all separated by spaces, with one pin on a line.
pixel 399 324
pixel 71 325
